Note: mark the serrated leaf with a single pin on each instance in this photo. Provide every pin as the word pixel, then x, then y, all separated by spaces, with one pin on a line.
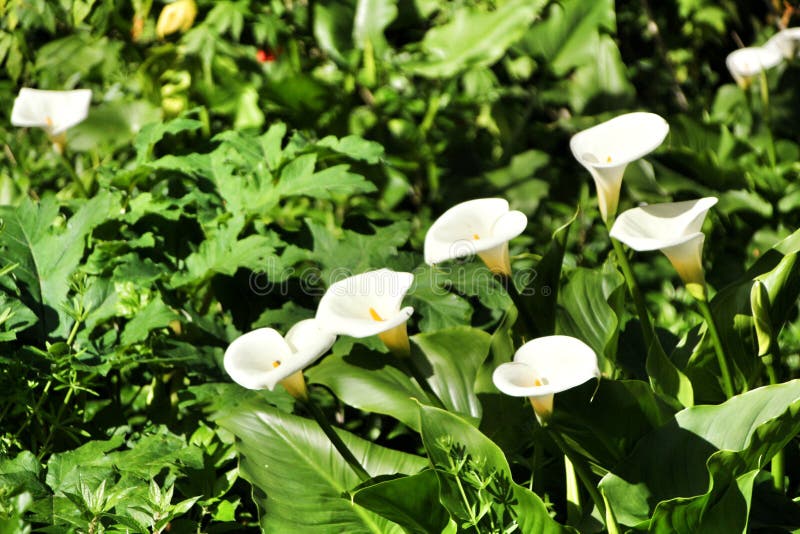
pixel 47 255
pixel 154 315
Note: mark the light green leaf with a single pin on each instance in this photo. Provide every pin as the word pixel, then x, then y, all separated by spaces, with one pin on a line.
pixel 367 381
pixel 567 36
pixel 354 147
pixel 452 359
pixel 474 38
pixel 371 19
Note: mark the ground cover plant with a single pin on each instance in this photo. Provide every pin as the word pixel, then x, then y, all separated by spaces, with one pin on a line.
pixel 399 266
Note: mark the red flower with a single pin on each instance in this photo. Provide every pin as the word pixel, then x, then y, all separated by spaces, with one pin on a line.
pixel 264 57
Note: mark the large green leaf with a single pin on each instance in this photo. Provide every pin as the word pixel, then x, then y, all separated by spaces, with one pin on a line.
pixel 300 478
pixel 371 19
pixel 461 455
pixel 369 382
pixel 603 82
pixel 754 426
pixel 412 502
pixel 451 361
pixel 567 36
pixel 474 38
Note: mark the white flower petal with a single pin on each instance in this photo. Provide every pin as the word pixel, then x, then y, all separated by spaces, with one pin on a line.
pixel 785 41
pixel 365 304
pixel 518 379
pixel 472 227
pixel 545 366
pixel 55 111
pixel 745 63
pixel 663 225
pixel 309 337
pixel 560 362
pixel 606 149
pixel 262 358
pixel 249 359
pixel 620 140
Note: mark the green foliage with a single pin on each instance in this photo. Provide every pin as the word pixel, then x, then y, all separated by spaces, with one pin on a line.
pixel 228 173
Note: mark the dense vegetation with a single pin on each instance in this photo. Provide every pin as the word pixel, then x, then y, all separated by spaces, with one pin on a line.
pixel 240 157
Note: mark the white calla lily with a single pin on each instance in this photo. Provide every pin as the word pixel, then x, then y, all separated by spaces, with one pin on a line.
pixel 483 226
pixel 746 63
pixel 674 228
pixel 786 42
pixel 54 111
pixel 605 150
pixel 368 304
pixel 263 358
pixel 545 366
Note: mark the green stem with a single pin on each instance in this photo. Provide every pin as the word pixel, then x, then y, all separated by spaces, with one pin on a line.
pixel 727 383
pixel 73 332
pixel 74 175
pixel 335 439
pixel 473 519
pixel 777 468
pixel 648 332
pixel 765 112
pixel 582 470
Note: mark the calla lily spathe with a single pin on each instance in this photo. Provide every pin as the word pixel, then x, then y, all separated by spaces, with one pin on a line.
pixel 745 63
pixel 674 228
pixel 605 150
pixel 785 41
pixel 263 358
pixel 545 366
pixel 368 304
pixel 54 111
pixel 483 227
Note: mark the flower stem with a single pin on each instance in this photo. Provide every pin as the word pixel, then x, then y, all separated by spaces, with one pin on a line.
pixel 727 383
pixel 582 470
pixel 648 332
pixel 335 439
pixel 777 467
pixel 74 175
pixel 765 111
